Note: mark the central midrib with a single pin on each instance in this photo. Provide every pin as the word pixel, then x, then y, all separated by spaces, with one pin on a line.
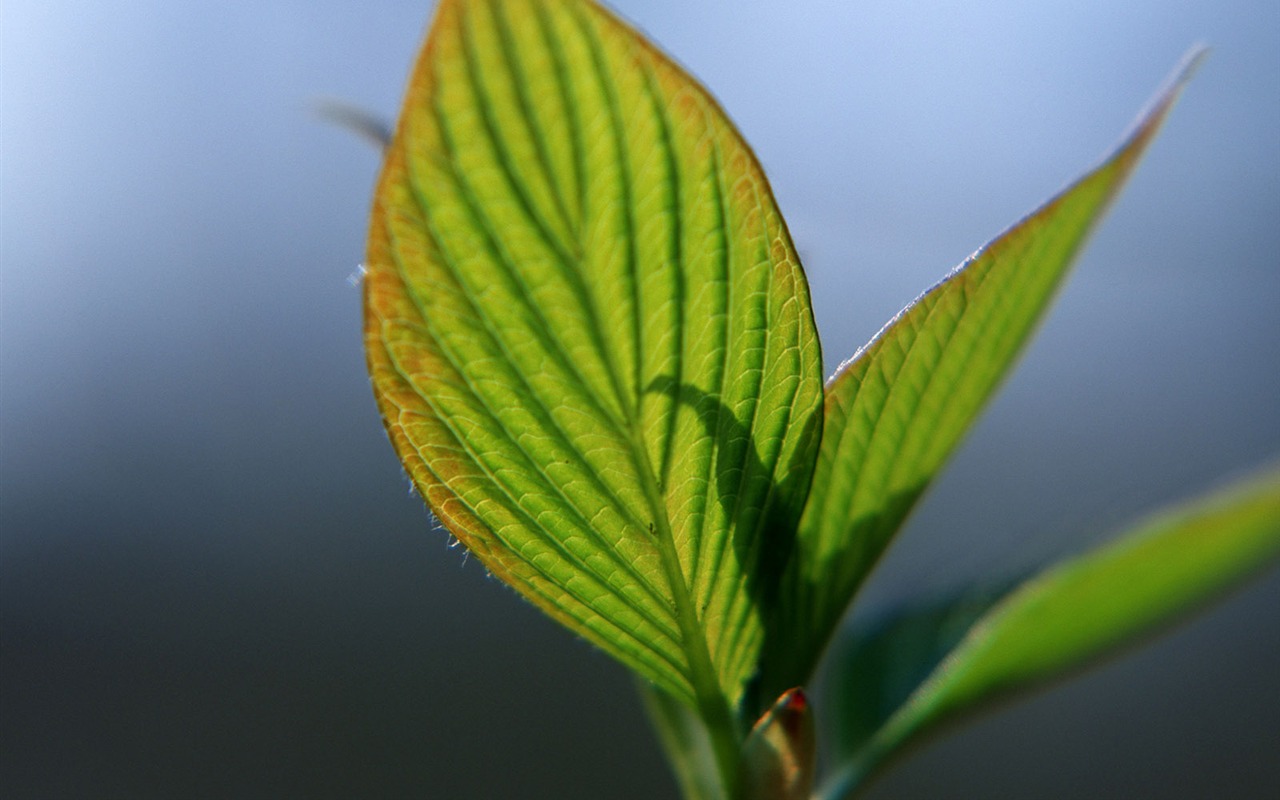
pixel 713 707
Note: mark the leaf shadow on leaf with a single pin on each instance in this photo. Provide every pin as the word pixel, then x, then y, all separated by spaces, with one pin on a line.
pixel 763 557
pixel 869 538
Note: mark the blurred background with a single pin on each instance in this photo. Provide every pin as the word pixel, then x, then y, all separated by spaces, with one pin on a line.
pixel 214 581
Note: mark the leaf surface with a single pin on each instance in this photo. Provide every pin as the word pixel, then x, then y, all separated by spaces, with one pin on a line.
pixel 590 337
pixel 897 409
pixel 963 656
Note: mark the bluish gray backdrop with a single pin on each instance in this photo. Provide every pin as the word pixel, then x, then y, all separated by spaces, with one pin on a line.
pixel 213 579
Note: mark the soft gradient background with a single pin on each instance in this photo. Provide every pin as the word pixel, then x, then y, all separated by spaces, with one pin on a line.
pixel 213 579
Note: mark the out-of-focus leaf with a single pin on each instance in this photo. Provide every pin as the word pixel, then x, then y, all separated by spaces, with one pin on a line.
pixel 1058 621
pixel 590 337
pixel 881 664
pixel 897 409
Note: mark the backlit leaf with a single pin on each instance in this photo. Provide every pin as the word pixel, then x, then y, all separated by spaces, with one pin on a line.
pixel 1066 617
pixel 590 338
pixel 897 409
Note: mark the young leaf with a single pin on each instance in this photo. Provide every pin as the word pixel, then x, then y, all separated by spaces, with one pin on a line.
pixel 590 338
pixel 1059 620
pixel 879 665
pixel 896 410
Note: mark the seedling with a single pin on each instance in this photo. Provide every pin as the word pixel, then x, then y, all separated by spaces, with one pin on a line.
pixel 592 345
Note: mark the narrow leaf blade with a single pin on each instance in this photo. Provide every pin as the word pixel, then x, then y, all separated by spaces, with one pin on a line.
pixel 880 665
pixel 589 335
pixel 897 409
pixel 1069 616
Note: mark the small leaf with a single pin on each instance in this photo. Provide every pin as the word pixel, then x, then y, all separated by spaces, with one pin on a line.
pixel 897 409
pixel 780 752
pixel 590 337
pixel 880 665
pixel 1067 617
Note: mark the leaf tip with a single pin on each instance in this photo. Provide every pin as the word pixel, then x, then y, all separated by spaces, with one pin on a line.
pixel 1149 120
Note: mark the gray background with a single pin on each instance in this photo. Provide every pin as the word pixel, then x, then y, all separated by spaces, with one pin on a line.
pixel 213 580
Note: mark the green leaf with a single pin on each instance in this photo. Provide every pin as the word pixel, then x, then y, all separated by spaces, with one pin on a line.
pixel 590 337
pixel 897 409
pixel 1060 620
pixel 879 665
